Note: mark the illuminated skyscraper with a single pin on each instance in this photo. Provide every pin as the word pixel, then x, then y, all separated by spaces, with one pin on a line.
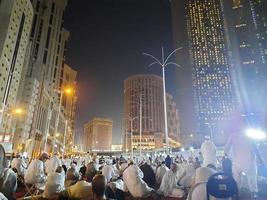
pixel 247 20
pixel 212 82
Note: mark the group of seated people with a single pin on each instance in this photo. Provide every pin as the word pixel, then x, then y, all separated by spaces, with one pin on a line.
pixel 113 179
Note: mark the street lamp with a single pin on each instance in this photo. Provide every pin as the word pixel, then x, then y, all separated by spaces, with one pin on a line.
pixel 164 63
pixel 131 119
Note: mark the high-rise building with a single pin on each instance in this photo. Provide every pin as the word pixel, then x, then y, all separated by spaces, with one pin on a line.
pixel 15 26
pixel 144 94
pixel 212 81
pixel 68 79
pixel 247 21
pixel 44 71
pixel 98 134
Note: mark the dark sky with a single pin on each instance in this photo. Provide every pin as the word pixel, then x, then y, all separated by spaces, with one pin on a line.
pixel 105 47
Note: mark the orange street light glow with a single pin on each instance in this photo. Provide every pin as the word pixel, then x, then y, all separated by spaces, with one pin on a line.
pixel 18 111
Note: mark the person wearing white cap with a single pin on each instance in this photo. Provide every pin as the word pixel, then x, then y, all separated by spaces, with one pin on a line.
pixel 133 179
pixel 8 181
pixel 35 174
pixel 160 172
pixel 17 164
pixel 168 186
pixel 54 183
pixel 208 150
pixel 108 171
pixel 198 190
pixel 52 164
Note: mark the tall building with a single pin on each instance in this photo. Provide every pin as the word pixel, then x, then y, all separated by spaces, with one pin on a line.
pixel 144 92
pixel 247 21
pixel 212 81
pixel 16 20
pixel 98 134
pixel 68 79
pixel 43 73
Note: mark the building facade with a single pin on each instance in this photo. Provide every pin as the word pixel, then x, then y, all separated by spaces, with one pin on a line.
pixel 247 21
pixel 212 81
pixel 173 119
pixel 16 21
pixel 143 94
pixel 43 78
pixel 98 135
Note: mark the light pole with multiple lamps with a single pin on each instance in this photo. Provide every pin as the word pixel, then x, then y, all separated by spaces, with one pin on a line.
pixel 164 63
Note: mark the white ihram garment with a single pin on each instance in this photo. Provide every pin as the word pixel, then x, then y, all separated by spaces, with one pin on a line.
pixel 186 181
pixel 18 165
pixel 54 184
pixel 35 173
pixel 108 172
pixel 198 190
pixel 169 187
pixel 208 150
pixel 161 170
pixel 52 164
pixel 244 160
pixel 132 177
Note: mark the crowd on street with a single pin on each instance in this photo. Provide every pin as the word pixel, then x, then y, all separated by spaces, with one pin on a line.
pixel 151 176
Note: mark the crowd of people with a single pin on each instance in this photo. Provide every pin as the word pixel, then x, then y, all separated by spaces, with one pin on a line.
pixel 95 177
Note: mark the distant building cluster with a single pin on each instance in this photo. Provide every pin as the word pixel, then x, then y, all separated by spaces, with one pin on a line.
pixel 36 113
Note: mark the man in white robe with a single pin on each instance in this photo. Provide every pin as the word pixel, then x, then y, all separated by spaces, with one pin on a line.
pixel 52 164
pixel 198 190
pixel 133 178
pixel 244 160
pixel 35 174
pixel 17 164
pixel 168 186
pixel 8 181
pixel 160 172
pixel 54 183
pixel 108 171
pixel 208 150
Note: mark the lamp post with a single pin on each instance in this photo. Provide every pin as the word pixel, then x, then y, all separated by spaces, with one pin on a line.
pixel 131 119
pixel 164 63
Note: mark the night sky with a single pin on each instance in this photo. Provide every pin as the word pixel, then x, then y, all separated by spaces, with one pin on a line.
pixel 105 47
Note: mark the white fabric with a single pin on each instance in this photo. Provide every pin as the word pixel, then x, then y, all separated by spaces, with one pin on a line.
pixel 66 162
pixel 35 172
pixel 52 164
pixel 169 187
pixel 208 150
pixel 244 160
pixel 9 185
pixel 2 197
pixel 18 165
pixel 80 190
pixel 161 170
pixel 201 178
pixel 54 184
pixel 132 177
pixel 108 172
pixel 187 180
